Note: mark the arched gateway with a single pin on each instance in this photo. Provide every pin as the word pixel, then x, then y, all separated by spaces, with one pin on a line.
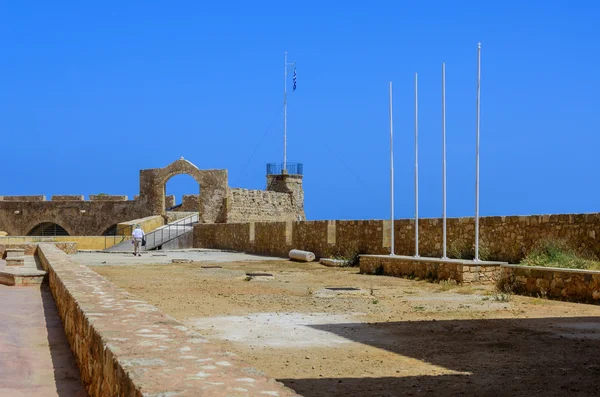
pixel 212 182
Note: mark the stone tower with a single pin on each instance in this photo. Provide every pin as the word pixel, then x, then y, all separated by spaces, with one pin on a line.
pixel 283 182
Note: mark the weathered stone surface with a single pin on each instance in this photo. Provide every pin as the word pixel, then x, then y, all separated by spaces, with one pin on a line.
pixel 78 218
pixel 565 284
pixel 261 206
pixel 169 201
pixel 290 184
pixel 127 347
pixel 107 197
pixel 23 198
pixel 212 182
pixel 29 249
pixel 189 203
pixel 503 239
pixel 65 197
pixel 464 272
pixel 19 215
pixel 332 262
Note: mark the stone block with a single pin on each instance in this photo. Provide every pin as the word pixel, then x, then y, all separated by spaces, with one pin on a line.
pixel 67 198
pixel 23 198
pixel 15 261
pixel 14 253
pixel 107 197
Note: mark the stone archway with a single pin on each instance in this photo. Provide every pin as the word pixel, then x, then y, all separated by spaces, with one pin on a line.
pixel 212 183
pixel 48 229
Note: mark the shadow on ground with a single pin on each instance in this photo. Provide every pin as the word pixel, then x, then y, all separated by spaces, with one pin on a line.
pixel 502 357
pixel 66 372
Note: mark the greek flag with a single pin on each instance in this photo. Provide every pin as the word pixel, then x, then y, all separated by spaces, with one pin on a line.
pixel 294 89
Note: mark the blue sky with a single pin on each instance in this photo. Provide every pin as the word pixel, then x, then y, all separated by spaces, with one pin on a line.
pixel 92 93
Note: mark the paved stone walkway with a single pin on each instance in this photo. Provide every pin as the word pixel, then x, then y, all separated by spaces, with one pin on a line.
pixel 96 258
pixel 35 359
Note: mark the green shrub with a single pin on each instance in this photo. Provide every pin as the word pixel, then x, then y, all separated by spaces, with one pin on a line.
pixel 466 250
pixel 557 253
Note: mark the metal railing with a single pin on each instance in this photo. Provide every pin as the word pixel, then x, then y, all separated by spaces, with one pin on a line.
pixel 291 168
pixel 170 231
pixel 121 234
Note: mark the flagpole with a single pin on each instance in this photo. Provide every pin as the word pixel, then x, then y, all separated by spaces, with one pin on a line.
pixel 444 159
pixel 285 67
pixel 416 167
pixel 391 171
pixel 477 154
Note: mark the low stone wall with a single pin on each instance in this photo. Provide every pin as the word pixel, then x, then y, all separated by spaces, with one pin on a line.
pixel 81 242
pixel 147 224
pixel 127 347
pixel 190 203
pixel 463 272
pixel 169 201
pixel 245 205
pixel 31 247
pixel 555 283
pixel 505 239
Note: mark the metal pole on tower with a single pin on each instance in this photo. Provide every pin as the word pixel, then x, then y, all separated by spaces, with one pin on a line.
pixel 285 67
pixel 391 172
pixel 444 160
pixel 477 153
pixel 416 167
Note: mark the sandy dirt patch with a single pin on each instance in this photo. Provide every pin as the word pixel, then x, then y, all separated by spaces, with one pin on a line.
pixel 332 332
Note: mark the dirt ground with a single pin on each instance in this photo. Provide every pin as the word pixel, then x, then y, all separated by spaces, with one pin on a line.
pixel 391 337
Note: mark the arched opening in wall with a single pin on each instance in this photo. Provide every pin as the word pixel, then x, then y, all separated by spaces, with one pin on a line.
pixel 111 231
pixel 48 229
pixel 182 193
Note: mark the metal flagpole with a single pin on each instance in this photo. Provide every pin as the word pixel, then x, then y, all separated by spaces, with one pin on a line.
pixel 477 154
pixel 444 159
pixel 391 171
pixel 285 67
pixel 416 168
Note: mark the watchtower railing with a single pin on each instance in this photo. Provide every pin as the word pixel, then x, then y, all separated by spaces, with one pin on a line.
pixel 290 168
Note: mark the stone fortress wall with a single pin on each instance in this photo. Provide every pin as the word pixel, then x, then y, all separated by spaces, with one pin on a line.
pixel 217 203
pixel 502 238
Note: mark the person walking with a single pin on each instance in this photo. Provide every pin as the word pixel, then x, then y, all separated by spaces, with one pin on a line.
pixel 137 237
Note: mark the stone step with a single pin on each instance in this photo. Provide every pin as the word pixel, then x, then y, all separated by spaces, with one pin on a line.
pixel 15 261
pixel 14 252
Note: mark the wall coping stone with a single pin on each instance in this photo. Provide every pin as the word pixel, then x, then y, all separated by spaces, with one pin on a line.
pixel 40 197
pixel 552 269
pixel 67 197
pixel 107 197
pixel 467 262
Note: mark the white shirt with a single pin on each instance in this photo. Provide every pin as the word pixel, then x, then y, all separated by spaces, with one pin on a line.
pixel 138 233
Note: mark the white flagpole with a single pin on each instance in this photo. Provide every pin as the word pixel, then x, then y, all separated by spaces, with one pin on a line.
pixel 444 159
pixel 391 171
pixel 477 153
pixel 416 168
pixel 285 67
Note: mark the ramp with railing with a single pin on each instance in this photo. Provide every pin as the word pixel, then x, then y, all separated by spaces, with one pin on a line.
pixel 170 231
pixel 156 238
